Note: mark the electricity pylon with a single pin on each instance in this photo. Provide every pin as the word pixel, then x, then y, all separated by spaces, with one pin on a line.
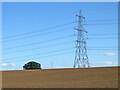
pixel 81 57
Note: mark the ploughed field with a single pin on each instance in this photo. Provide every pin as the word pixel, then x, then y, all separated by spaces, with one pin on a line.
pixel 106 77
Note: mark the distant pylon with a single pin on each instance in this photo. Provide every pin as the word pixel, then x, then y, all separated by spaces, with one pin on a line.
pixel 81 57
pixel 51 64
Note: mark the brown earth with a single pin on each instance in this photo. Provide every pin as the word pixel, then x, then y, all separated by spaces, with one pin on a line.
pixel 106 77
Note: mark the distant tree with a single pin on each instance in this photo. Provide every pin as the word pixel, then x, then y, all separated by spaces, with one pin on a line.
pixel 32 65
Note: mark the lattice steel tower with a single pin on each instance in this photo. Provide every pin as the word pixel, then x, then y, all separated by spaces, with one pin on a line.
pixel 81 57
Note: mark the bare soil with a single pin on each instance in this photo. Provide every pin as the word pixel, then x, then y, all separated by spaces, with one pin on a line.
pixel 106 77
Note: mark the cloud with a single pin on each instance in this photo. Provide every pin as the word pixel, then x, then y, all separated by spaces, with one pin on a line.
pixel 4 64
pixel 12 64
pixel 7 65
pixel 107 63
pixel 116 63
pixel 109 54
pixel 103 63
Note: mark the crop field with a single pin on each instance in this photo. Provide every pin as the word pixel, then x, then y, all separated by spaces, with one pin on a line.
pixel 105 77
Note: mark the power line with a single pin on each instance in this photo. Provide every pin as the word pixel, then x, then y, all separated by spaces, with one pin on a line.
pixel 102 34
pixel 34 48
pixel 33 32
pixel 32 36
pixel 38 35
pixel 103 49
pixel 105 20
pixel 47 56
pixel 66 14
pixel 104 38
pixel 47 46
pixel 39 30
pixel 54 40
pixel 40 42
pixel 97 9
pixel 101 24
pixel 59 50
